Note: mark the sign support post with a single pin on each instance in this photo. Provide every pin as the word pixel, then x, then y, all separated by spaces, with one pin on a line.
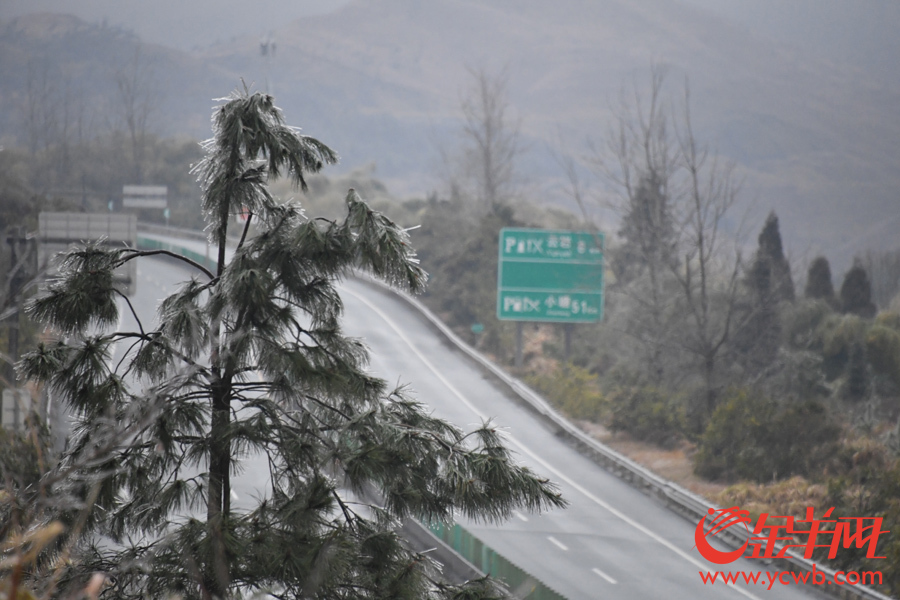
pixel 551 276
pixel 518 362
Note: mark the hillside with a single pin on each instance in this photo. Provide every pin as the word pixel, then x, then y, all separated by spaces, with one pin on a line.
pixel 381 82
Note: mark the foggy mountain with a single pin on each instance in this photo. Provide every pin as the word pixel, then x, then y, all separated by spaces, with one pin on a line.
pixel 860 34
pixel 817 140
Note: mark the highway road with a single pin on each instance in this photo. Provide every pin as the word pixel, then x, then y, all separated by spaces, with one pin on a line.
pixel 612 542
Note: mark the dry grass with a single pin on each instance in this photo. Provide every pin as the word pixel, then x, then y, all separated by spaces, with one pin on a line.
pixel 673 464
pixel 788 497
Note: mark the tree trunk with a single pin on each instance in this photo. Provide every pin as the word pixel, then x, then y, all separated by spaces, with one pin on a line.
pixel 708 367
pixel 216 574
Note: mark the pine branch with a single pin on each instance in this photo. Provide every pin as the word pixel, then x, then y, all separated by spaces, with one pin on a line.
pixel 138 253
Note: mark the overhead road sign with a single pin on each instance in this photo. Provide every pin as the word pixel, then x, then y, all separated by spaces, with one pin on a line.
pixel 144 196
pixel 550 275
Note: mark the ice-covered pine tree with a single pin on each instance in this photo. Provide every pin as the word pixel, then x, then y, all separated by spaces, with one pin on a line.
pixel 251 360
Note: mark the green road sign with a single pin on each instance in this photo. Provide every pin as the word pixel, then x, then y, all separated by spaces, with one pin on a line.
pixel 547 275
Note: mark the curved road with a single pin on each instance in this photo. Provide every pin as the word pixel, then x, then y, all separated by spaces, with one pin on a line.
pixel 612 542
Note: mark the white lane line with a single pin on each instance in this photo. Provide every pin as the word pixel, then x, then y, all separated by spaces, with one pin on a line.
pixel 520 516
pixel 559 475
pixel 558 543
pixel 234 495
pixel 604 575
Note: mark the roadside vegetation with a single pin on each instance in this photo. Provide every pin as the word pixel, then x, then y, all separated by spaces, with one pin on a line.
pixel 786 394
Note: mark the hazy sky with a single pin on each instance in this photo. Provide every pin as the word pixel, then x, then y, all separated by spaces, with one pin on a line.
pixel 862 33
pixel 859 32
pixel 183 24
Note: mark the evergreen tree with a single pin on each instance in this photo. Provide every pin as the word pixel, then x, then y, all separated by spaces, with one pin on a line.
pixel 758 339
pixel 647 231
pixel 642 266
pixel 250 359
pixel 768 282
pixel 856 292
pixel 818 281
pixel 771 249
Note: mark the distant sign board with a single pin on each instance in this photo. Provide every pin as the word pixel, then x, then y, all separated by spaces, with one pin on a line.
pixel 548 275
pixel 144 196
pixel 14 409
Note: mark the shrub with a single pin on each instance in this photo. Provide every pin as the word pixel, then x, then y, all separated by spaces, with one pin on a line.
pixel 801 320
pixel 839 334
pixel 647 413
pixel 889 319
pixel 883 351
pixel 573 390
pixel 751 437
pixel 796 375
pixel 868 486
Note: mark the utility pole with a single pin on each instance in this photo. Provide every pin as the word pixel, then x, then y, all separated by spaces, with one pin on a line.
pixel 518 362
pixel 267 47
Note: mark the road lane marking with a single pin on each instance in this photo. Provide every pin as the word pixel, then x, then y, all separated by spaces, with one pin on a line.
pixel 561 476
pixel 558 543
pixel 520 516
pixel 604 575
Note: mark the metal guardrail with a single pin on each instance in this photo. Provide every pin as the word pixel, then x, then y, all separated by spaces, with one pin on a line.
pixel 145 243
pixel 187 234
pixel 683 502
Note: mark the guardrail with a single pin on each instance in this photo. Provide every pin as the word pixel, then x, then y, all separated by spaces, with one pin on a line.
pixel 188 234
pixel 147 243
pixel 683 502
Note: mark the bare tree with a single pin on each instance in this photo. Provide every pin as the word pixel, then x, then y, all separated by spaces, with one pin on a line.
pixel 43 113
pixel 675 267
pixel 639 161
pixel 138 97
pixel 39 107
pixel 491 142
pixel 709 274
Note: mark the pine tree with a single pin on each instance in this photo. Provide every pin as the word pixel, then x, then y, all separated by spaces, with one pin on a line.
pixel 856 292
pixel 768 282
pixel 771 249
pixel 818 281
pixel 642 263
pixel 647 231
pixel 250 359
pixel 759 337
